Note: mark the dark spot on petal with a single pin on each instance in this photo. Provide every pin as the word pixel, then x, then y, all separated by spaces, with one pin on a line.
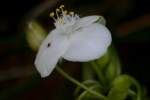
pixel 48 45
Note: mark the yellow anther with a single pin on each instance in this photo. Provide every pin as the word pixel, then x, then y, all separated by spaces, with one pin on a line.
pixel 57 10
pixel 61 21
pixel 61 6
pixel 71 13
pixel 65 12
pixel 51 14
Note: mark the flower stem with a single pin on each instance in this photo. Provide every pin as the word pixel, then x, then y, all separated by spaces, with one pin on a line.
pixel 102 97
pixel 98 72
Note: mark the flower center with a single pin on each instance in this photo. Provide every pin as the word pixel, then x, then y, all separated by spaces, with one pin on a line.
pixel 64 20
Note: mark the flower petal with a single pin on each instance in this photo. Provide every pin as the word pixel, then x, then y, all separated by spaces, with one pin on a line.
pixel 101 20
pixel 85 21
pixel 52 48
pixel 89 43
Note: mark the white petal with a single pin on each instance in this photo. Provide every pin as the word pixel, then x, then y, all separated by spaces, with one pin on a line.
pixel 101 20
pixel 85 21
pixel 89 43
pixel 48 56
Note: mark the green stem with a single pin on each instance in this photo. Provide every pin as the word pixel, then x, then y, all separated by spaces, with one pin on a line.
pixel 98 72
pixel 82 95
pixel 132 94
pixel 139 94
pixel 102 97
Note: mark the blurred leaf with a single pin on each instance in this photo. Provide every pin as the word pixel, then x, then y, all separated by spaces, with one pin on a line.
pixel 35 34
pixel 103 61
pixel 113 69
pixel 109 64
pixel 120 88
pixel 87 72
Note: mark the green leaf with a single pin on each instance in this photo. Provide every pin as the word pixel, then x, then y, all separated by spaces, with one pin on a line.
pixel 103 61
pixel 120 88
pixel 109 65
pixel 113 69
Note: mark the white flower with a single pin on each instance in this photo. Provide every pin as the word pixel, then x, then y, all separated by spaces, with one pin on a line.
pixel 74 39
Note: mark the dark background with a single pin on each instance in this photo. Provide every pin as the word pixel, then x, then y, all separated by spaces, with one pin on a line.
pixel 129 21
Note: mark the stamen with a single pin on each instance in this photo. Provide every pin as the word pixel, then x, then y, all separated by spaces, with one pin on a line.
pixel 65 12
pixel 57 10
pixel 71 13
pixel 52 15
pixel 62 17
pixel 62 10
pixel 61 6
pixel 61 21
